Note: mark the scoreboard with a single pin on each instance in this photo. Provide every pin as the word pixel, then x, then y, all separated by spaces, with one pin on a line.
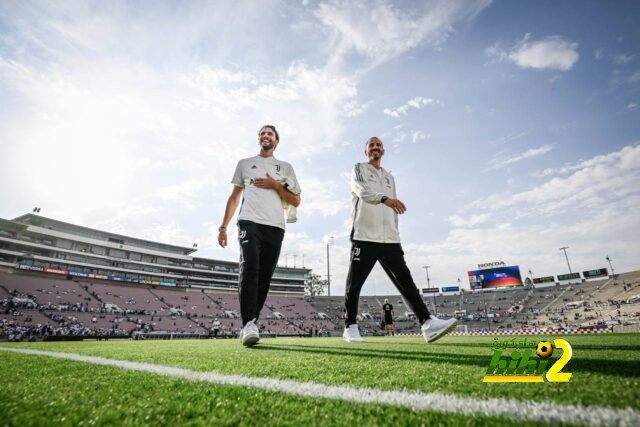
pixel 430 290
pixel 546 279
pixel 590 274
pixel 571 276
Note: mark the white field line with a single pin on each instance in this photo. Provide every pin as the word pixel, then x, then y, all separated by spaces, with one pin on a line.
pixel 438 402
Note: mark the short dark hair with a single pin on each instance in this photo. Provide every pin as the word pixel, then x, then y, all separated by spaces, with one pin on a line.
pixel 273 128
pixel 366 144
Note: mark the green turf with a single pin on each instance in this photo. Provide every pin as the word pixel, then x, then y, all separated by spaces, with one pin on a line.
pixel 38 390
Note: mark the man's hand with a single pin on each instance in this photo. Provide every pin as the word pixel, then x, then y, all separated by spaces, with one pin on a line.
pixel 267 183
pixel 222 238
pixel 397 206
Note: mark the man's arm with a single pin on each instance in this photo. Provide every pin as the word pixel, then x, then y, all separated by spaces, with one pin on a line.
pixel 362 189
pixel 286 195
pixel 229 210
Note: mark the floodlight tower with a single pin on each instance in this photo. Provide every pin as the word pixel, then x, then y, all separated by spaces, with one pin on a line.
pixel 435 308
pixel 564 248
pixel 329 243
pixel 613 274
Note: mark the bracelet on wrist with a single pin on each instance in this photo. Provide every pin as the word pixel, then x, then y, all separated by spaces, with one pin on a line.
pixel 222 229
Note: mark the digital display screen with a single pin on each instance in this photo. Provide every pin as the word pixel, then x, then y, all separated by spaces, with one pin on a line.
pixel 495 277
pixel 545 279
pixel 568 276
pixel 595 273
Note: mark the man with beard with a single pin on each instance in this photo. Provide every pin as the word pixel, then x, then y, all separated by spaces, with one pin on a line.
pixel 375 237
pixel 270 187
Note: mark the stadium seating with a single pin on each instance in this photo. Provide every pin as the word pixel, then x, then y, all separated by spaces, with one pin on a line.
pixel 35 305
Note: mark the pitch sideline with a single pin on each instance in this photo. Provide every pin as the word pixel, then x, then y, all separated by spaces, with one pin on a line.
pixel 437 402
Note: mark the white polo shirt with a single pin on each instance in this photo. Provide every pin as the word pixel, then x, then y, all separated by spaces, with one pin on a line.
pixel 261 205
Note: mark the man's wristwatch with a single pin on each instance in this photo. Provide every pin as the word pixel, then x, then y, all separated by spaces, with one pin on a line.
pixel 221 229
pixel 383 199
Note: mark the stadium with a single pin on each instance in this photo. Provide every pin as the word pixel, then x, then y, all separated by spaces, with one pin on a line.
pixel 78 297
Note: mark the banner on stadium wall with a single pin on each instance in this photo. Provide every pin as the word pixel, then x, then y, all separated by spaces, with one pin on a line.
pixel 590 274
pixel 570 276
pixel 167 284
pixel 546 279
pixel 430 290
pixel 98 276
pixel 495 277
pixel 55 271
pixel 116 278
pixel 29 267
pixel 451 289
pixel 78 274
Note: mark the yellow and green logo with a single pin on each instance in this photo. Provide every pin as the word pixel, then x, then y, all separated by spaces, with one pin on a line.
pixel 520 368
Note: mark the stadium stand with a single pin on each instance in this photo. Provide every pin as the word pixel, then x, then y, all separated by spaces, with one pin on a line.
pixel 35 305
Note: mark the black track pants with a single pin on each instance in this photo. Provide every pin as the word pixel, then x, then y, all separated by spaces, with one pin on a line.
pixel 363 257
pixel 259 252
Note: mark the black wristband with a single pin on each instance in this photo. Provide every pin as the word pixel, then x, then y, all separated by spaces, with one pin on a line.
pixel 383 199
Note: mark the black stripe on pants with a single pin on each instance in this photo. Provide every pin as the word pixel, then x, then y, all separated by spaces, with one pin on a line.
pixel 259 252
pixel 364 256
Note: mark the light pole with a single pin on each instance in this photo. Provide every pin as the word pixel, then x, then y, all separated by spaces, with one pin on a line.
pixel 329 243
pixel 564 248
pixel 435 309
pixel 286 260
pixel 613 274
pixel 294 260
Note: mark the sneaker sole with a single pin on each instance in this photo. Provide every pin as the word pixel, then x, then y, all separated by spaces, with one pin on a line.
pixel 443 333
pixel 250 341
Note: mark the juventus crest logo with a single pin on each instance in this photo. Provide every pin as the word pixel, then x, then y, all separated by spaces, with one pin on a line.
pixel 278 168
pixel 242 234
pixel 355 254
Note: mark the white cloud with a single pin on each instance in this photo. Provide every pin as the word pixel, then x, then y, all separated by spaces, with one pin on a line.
pixel 533 152
pixel 418 103
pixel 598 54
pixel 552 52
pixel 418 135
pixel 325 200
pixel 632 106
pixel 603 160
pixel 592 185
pixel 354 108
pixel 471 221
pixel 623 58
pixel 510 138
pixel 378 30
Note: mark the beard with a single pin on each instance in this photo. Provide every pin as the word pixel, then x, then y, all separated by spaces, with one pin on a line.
pixel 375 155
pixel 267 146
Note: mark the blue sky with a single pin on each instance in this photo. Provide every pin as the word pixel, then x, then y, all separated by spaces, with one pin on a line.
pixel 513 128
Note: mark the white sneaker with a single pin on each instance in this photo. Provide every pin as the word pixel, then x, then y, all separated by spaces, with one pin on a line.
pixel 249 335
pixel 434 328
pixel 352 334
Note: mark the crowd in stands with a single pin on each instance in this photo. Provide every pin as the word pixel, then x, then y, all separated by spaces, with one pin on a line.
pixel 37 306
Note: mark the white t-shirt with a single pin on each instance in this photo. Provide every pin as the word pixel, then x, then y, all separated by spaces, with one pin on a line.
pixel 261 205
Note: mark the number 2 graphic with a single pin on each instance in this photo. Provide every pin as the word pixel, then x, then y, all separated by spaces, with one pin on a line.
pixel 554 373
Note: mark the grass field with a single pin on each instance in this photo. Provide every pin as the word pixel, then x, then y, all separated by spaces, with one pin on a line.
pixel 44 390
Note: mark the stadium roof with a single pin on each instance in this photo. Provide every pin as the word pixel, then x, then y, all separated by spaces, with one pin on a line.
pixel 41 221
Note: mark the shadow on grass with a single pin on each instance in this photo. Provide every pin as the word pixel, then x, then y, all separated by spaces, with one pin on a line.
pixel 622 368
